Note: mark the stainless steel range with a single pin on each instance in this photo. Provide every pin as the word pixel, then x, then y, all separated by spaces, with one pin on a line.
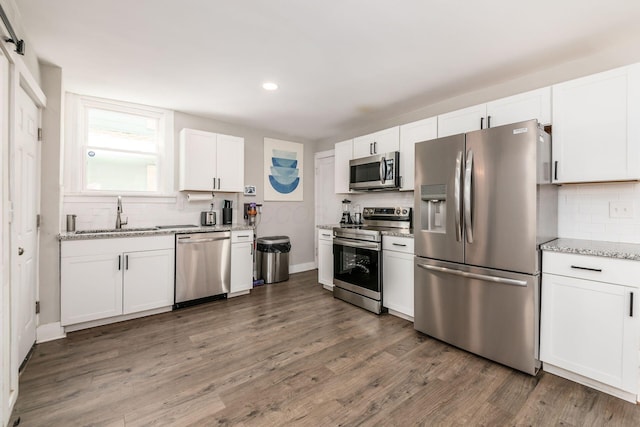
pixel 357 256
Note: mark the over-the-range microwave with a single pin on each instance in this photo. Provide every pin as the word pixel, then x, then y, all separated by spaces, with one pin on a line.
pixel 379 172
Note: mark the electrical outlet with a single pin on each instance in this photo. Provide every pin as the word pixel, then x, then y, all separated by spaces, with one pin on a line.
pixel 621 209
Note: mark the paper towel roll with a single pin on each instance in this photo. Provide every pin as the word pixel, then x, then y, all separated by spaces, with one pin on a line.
pixel 195 197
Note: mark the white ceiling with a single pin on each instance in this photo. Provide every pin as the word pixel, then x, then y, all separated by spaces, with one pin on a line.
pixel 337 62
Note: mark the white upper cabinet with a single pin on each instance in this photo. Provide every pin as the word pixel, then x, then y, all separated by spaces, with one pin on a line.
pixel 535 104
pixel 411 133
pixel 380 142
pixel 342 154
pixel 210 162
pixel 596 131
pixel 461 121
pixel 230 164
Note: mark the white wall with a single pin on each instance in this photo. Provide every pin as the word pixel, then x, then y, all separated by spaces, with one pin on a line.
pixel 49 271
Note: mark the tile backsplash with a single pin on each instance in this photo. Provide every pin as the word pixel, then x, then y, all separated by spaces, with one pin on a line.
pixel 584 212
pixel 100 212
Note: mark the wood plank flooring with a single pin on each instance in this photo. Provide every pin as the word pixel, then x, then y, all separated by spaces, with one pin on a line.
pixel 288 354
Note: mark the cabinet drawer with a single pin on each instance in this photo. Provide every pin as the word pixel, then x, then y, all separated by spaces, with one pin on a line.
pixel 241 236
pixel 610 270
pixel 398 244
pixel 325 234
pixel 71 248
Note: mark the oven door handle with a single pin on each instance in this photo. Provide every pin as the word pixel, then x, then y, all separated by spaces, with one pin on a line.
pixel 356 244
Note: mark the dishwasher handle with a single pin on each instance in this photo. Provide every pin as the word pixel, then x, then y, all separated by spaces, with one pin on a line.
pixel 183 240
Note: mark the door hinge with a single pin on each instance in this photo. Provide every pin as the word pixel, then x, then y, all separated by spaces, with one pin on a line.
pixel 37 307
pixel 39 134
pixel 38 220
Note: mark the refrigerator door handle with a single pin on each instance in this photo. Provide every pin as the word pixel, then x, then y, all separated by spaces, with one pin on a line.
pixel 501 280
pixel 467 197
pixel 383 170
pixel 456 196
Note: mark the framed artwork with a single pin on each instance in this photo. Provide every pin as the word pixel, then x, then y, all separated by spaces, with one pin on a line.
pixel 283 170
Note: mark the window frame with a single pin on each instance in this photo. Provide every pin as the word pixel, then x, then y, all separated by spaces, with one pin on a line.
pixel 77 144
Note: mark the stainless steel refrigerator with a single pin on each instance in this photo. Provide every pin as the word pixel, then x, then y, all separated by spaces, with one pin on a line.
pixel 484 203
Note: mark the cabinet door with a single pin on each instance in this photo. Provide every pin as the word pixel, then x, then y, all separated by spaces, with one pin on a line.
pixel 411 133
pixel 380 142
pixel 241 267
pixel 148 280
pixel 325 257
pixel 535 104
pixel 587 328
pixel 230 164
pixel 197 160
pixel 397 279
pixel 462 121
pixel 596 133
pixel 343 153
pixel 90 287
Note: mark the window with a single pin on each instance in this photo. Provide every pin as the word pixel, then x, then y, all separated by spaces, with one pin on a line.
pixel 121 148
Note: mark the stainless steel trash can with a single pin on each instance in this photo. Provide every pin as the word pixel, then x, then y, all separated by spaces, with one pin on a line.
pixel 272 263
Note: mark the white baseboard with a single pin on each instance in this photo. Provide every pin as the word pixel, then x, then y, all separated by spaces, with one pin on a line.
pixel 299 268
pixel 605 388
pixel 101 322
pixel 237 294
pixel 327 287
pixel 401 315
pixel 49 332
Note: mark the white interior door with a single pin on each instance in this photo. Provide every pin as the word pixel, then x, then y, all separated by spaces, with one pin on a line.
pixel 25 191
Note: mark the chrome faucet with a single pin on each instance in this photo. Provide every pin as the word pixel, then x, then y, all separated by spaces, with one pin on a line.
pixel 119 222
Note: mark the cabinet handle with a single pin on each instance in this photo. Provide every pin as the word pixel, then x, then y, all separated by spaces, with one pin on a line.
pixel 488 122
pixel 214 183
pixel 481 122
pixel 243 235
pixel 598 270
pixel 126 262
pixel 399 244
pixel 375 147
pixel 218 183
pixel 370 148
pixel 119 262
pixel 326 235
pixel 631 304
pixel 555 170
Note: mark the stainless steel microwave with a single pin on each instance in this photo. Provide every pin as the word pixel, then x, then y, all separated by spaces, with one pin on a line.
pixel 379 172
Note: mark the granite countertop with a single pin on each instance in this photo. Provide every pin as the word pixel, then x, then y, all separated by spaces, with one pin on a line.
pixel 145 233
pixel 630 251
pixel 396 233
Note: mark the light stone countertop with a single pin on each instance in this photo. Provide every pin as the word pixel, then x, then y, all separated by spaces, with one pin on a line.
pixel 630 251
pixel 64 236
pixel 400 233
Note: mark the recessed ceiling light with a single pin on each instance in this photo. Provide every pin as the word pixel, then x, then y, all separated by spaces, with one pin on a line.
pixel 269 86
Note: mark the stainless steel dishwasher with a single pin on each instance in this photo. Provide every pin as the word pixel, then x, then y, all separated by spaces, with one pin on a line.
pixel 203 267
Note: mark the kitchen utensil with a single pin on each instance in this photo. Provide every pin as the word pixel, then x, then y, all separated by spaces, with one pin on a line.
pixel 346 212
pixel 71 222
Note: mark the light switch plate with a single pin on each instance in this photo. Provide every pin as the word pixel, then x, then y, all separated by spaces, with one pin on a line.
pixel 621 209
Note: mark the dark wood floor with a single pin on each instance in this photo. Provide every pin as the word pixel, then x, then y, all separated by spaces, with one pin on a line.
pixel 288 354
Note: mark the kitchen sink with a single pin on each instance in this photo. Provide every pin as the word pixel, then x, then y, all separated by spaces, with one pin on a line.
pixel 117 230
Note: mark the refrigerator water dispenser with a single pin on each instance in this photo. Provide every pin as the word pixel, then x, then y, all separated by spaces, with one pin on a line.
pixel 433 215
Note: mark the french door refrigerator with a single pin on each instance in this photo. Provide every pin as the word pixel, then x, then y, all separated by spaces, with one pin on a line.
pixel 484 203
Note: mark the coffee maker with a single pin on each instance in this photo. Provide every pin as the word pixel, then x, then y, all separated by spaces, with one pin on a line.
pixel 346 212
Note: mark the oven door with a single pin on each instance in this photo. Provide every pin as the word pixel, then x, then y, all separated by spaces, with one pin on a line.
pixel 357 267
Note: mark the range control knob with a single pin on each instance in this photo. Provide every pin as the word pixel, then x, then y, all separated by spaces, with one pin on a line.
pixel 397 211
pixel 404 211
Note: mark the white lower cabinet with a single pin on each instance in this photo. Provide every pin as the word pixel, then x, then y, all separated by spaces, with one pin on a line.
pixel 325 258
pixel 241 262
pixel 104 278
pixel 397 275
pixel 590 321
